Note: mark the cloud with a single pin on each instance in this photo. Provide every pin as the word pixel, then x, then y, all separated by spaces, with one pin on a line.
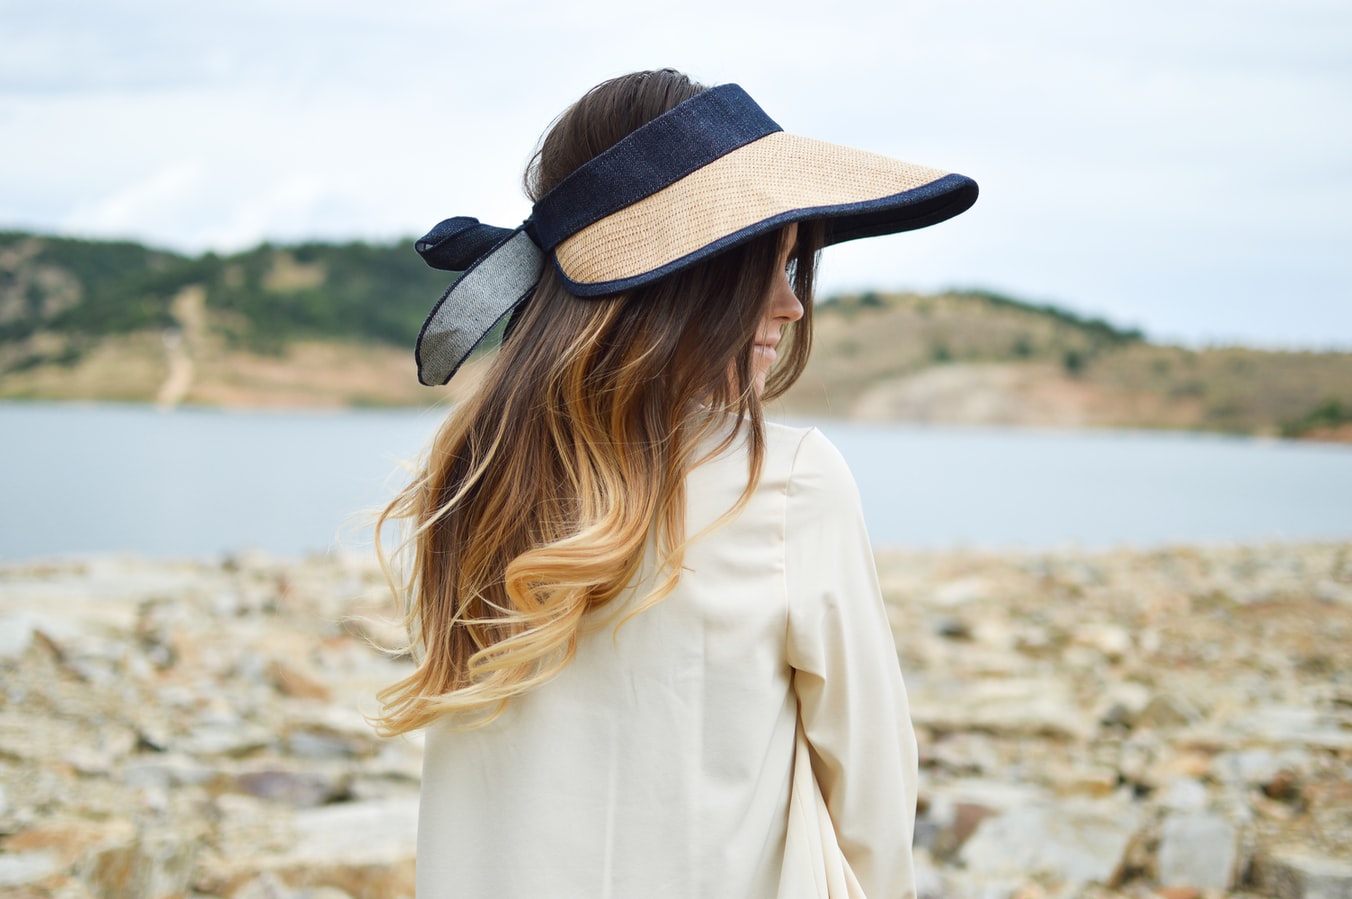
pixel 1177 167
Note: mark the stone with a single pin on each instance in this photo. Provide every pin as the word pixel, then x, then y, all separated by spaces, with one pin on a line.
pixel 269 886
pixel 960 592
pixel 322 743
pixel 364 848
pixel 1253 767
pixel 1086 780
pixel 1283 786
pixel 368 833
pixel 153 866
pixel 17 869
pixel 235 739
pixel 1198 849
pixel 1328 807
pixel 1178 893
pixel 966 819
pixel 1122 704
pixel 1034 706
pixel 1075 842
pixel 290 680
pixel 16 634
pixel 69 839
pixel 1183 794
pixel 951 628
pixel 928 882
pixel 166 771
pixel 1297 873
pixel 1168 710
pixel 297 788
pixel 1297 726
pixel 1108 640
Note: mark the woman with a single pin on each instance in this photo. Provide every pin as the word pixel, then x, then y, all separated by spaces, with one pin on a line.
pixel 653 657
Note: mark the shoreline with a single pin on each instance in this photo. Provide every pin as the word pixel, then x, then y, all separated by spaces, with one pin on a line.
pixel 1341 436
pixel 1108 722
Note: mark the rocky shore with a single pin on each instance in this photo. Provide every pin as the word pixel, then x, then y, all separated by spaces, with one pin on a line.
pixel 1175 723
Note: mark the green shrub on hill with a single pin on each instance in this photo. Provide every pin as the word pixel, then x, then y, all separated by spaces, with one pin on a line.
pixel 1100 330
pixel 1331 413
pixel 272 295
pixel 115 286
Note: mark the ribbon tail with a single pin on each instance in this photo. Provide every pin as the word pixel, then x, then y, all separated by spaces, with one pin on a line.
pixel 491 288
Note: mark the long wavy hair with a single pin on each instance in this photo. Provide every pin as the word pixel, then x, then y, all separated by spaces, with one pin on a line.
pixel 542 491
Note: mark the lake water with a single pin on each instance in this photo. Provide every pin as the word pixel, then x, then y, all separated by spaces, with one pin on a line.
pixel 77 479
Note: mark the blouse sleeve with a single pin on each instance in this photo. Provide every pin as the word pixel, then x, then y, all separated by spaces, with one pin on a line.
pixel 851 700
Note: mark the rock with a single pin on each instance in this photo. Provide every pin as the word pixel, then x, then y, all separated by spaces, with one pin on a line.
pixel 1296 726
pixel 153 866
pixel 1193 763
pixel 290 680
pixel 1328 807
pixel 1086 780
pixel 297 788
pixel 928 882
pixel 1074 842
pixel 22 868
pixel 1296 873
pixel 1178 893
pixel 1198 849
pixel 1034 706
pixel 232 738
pixel 364 848
pixel 960 592
pixel 1000 795
pixel 1123 703
pixel 16 634
pixel 966 819
pixel 1168 710
pixel 330 732
pixel 1255 767
pixel 366 833
pixel 1108 640
pixel 953 628
pixel 268 886
pixel 1282 786
pixel 69 839
pixel 319 743
pixel 167 771
pixel 1184 794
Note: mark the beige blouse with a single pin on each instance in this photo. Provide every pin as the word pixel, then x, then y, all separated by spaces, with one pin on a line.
pixel 748 736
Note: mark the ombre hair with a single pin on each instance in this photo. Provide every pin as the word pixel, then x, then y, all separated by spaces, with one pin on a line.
pixel 542 491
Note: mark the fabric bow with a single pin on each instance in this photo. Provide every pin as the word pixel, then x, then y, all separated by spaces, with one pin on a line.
pixel 500 266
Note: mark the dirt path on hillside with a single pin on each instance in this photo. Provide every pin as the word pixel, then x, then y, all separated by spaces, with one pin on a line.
pixel 189 310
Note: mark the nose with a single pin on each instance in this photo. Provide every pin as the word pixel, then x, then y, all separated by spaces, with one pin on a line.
pixel 784 303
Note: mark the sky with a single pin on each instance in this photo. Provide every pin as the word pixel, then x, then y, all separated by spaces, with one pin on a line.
pixel 1184 168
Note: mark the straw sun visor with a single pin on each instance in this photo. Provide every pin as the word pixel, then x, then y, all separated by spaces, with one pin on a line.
pixel 706 175
pixel 758 187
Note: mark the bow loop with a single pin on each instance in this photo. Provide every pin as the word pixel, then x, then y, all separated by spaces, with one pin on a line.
pixel 457 243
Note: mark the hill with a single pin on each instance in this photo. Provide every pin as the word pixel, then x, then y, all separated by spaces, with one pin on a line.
pixel 332 324
pixel 981 358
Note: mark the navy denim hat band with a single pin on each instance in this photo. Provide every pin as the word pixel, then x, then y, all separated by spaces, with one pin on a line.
pixel 684 166
pixel 682 140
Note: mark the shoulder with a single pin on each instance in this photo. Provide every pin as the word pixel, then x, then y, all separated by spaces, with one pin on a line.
pixel 800 463
pixel 817 471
